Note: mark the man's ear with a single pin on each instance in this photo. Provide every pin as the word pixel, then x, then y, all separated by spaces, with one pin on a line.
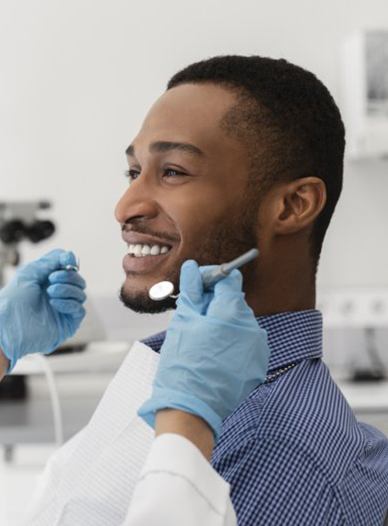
pixel 297 204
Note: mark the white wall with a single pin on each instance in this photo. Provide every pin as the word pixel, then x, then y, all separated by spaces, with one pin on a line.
pixel 77 76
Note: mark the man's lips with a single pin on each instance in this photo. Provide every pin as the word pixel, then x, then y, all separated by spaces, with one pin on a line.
pixel 138 262
pixel 134 238
pixel 143 264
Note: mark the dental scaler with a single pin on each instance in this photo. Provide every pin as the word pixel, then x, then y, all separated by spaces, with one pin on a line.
pixel 165 289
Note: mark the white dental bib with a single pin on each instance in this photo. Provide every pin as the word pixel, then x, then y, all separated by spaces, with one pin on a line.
pixel 90 480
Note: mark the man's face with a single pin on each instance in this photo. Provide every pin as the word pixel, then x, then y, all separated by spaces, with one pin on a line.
pixel 187 197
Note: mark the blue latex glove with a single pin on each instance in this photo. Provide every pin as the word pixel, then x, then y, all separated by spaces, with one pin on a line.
pixel 41 307
pixel 214 353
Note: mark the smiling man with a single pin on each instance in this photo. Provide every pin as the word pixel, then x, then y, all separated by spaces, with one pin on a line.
pixel 188 192
pixel 239 152
pixel 200 192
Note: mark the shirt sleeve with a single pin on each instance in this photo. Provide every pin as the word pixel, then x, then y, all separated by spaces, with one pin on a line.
pixel 178 486
pixel 277 482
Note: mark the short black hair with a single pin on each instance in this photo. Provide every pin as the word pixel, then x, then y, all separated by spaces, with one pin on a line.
pixel 295 114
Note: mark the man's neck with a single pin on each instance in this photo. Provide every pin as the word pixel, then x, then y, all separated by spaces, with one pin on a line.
pixel 281 292
pixel 266 306
pixel 4 364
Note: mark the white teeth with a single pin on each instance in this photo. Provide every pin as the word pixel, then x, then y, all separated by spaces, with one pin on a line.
pixel 155 250
pixel 139 250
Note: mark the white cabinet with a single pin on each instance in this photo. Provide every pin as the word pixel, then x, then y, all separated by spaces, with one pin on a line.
pixel 364 68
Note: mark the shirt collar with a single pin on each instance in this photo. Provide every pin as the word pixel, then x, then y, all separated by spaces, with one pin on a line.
pixel 292 337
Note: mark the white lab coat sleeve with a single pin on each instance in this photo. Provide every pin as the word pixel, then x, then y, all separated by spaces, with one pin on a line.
pixel 177 485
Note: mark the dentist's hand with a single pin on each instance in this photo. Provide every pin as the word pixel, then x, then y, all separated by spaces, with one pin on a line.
pixel 214 353
pixel 41 307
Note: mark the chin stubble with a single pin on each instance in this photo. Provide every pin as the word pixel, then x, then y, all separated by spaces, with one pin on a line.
pixel 141 303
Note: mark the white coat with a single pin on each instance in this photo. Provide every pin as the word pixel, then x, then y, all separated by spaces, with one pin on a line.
pixel 113 472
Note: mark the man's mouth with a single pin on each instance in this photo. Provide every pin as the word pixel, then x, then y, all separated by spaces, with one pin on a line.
pixel 145 252
pixel 142 258
pixel 140 250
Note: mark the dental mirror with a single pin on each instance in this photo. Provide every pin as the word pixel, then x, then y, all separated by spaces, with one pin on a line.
pixel 161 291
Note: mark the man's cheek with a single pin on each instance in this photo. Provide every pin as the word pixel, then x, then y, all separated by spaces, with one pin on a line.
pixel 192 231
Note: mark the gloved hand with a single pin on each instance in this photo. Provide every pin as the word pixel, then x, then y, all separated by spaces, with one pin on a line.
pixel 41 307
pixel 214 353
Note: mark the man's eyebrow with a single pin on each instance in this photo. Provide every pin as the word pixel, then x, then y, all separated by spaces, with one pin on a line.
pixel 166 146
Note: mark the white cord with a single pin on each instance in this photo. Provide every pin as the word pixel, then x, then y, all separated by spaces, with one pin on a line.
pixel 3 499
pixel 55 403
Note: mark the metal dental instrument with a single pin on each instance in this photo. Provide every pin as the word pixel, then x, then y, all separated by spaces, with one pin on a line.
pixel 211 277
pixel 164 289
pixel 71 267
pixel 75 268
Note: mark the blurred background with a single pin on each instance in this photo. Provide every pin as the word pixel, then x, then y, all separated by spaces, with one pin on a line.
pixel 76 79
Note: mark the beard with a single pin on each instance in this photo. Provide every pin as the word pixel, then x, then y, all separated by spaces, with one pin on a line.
pixel 139 301
pixel 222 243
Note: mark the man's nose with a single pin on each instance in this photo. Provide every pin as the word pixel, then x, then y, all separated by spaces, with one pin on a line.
pixel 137 202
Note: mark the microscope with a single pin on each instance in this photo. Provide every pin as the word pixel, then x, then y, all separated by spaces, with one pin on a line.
pixel 19 221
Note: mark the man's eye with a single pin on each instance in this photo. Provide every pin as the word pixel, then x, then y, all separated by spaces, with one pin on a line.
pixel 132 174
pixel 171 172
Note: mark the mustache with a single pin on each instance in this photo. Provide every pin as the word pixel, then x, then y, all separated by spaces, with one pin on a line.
pixel 140 229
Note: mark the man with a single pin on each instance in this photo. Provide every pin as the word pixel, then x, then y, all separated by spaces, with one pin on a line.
pixel 242 151
pixel 238 152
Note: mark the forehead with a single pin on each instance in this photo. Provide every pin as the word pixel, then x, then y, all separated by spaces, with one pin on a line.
pixel 190 113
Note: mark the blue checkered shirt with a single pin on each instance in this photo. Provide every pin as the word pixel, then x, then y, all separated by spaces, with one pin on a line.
pixel 293 451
